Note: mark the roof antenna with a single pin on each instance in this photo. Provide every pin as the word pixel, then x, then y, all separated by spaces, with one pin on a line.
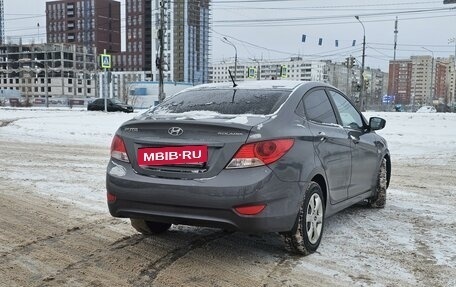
pixel 232 79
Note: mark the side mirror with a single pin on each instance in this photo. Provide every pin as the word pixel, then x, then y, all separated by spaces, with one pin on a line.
pixel 376 123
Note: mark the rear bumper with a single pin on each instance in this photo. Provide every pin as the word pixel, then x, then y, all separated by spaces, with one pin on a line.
pixel 206 202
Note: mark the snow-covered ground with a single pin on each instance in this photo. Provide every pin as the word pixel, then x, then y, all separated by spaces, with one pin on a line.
pixel 430 136
pixel 62 154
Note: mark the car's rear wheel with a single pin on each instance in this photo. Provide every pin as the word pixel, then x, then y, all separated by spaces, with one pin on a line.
pixel 378 200
pixel 307 231
pixel 149 227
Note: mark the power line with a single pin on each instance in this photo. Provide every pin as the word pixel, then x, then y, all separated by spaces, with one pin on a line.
pixel 266 24
pixel 269 20
pixel 332 7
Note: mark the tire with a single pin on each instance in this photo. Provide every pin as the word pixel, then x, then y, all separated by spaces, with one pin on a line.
pixel 378 200
pixel 305 237
pixel 149 227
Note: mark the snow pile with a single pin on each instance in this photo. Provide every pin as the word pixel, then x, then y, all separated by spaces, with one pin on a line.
pixel 429 136
pixel 61 126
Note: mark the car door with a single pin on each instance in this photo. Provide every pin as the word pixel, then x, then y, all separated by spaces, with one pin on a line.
pixel 364 151
pixel 331 143
pixel 99 104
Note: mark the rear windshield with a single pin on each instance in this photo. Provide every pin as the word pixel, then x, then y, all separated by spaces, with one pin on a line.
pixel 225 101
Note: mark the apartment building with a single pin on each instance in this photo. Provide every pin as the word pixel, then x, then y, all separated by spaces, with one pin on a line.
pixel 400 81
pixel 423 80
pixel 294 69
pixel 52 70
pixel 445 80
pixel 90 23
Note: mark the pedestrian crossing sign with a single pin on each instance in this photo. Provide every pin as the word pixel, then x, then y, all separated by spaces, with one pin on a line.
pixel 105 61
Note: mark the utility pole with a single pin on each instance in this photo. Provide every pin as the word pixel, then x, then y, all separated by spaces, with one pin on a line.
pixel 46 76
pixel 2 23
pixel 395 38
pixel 395 83
pixel 361 93
pixel 160 60
pixel 453 40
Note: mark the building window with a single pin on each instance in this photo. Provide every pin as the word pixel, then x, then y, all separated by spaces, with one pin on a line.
pixel 79 90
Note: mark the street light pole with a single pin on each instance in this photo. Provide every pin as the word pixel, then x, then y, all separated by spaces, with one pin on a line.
pixel 431 92
pixel 361 93
pixel 226 41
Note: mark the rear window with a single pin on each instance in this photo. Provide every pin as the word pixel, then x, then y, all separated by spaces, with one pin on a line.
pixel 225 101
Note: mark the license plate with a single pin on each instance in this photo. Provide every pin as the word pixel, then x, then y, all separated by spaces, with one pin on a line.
pixel 172 155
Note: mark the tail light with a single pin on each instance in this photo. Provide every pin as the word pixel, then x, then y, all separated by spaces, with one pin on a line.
pixel 260 153
pixel 118 150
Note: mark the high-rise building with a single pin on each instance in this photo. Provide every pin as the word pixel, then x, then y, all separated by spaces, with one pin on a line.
pixel 91 23
pixel 400 80
pixel 423 80
pixel 186 39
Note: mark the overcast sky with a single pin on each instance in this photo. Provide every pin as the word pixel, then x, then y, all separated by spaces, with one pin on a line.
pixel 273 29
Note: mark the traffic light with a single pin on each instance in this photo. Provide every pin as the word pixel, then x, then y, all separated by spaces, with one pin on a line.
pixel 352 61
pixel 349 62
pixel 366 84
pixel 283 71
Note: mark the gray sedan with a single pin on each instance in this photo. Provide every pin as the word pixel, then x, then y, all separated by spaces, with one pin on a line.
pixel 263 156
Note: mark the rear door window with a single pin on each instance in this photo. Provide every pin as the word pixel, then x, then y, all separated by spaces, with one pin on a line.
pixel 318 107
pixel 225 101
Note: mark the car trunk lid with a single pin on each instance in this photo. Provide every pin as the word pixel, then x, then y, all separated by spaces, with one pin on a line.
pixel 162 143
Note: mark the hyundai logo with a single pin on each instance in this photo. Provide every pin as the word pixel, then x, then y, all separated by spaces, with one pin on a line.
pixel 175 131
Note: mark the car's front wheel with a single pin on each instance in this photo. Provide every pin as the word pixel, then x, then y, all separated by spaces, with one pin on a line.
pixel 307 231
pixel 378 200
pixel 149 227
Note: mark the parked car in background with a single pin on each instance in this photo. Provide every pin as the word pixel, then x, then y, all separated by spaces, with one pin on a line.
pixel 443 108
pixel 399 108
pixel 266 156
pixel 426 109
pixel 114 105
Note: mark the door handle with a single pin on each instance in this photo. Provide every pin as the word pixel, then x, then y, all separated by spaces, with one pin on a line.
pixel 354 139
pixel 322 136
